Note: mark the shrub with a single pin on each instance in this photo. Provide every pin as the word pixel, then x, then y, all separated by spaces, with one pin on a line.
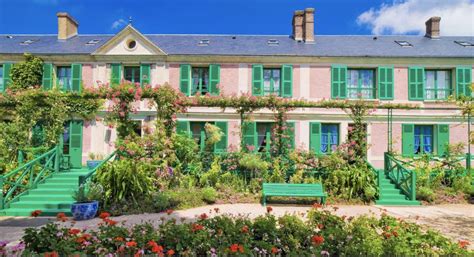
pixel 161 202
pixel 351 182
pixel 209 195
pixel 425 194
pixel 253 162
pixel 28 73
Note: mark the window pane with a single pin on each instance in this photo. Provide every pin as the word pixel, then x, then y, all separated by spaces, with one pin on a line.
pixel 367 83
pixel 276 81
pixel 442 79
pixel 1 75
pixel 205 81
pixel 64 77
pixel 352 83
pixel 430 84
pixel 132 74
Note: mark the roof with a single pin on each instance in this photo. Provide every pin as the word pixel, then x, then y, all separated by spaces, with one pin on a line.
pixel 255 45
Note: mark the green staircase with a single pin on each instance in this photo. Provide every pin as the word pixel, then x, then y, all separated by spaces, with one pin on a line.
pixel 52 196
pixel 390 195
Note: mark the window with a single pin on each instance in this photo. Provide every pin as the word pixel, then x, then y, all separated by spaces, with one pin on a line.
pixel 132 74
pixel 329 137
pixel 271 81
pixel 64 77
pixel 200 80
pixel 423 139
pixel 264 135
pixel 198 133
pixel 464 43
pixel 361 83
pixel 437 84
pixel 137 127
pixel 403 43
pixel 66 138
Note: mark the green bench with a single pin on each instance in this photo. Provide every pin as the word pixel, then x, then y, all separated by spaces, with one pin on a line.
pixel 293 190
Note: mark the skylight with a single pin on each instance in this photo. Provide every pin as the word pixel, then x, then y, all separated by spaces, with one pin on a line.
pixel 403 43
pixel 204 42
pixel 92 42
pixel 28 42
pixel 464 43
pixel 273 42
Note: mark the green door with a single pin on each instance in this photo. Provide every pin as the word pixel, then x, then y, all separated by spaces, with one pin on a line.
pixel 72 143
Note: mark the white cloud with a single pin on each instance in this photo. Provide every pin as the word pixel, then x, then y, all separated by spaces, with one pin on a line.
pixel 118 24
pixel 409 16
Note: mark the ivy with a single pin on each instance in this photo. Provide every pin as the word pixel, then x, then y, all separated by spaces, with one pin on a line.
pixel 27 74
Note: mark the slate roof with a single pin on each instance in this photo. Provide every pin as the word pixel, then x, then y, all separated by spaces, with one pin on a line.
pixel 256 45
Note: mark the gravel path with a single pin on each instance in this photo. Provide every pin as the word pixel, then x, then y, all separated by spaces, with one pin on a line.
pixel 455 221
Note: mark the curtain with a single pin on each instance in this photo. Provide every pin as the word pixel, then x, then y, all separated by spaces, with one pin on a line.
pixel 427 140
pixel 324 143
pixel 367 83
pixel 442 78
pixel 430 84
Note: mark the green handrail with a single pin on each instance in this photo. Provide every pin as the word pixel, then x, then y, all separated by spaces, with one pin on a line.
pixel 84 178
pixel 404 179
pixel 33 172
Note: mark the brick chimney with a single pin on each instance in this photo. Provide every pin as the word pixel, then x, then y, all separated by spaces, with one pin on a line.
pixel 67 26
pixel 432 27
pixel 298 25
pixel 308 27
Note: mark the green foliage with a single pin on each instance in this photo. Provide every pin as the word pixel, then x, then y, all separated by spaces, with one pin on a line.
pixel 88 193
pixel 209 195
pixel 253 162
pixel 425 194
pixel 27 74
pixel 351 182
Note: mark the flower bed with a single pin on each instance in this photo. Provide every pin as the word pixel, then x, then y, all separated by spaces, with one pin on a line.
pixel 320 234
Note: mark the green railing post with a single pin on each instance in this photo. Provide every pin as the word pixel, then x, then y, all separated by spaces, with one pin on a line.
pixel 2 201
pixel 386 162
pixel 57 159
pixel 413 186
pixel 21 158
pixel 468 163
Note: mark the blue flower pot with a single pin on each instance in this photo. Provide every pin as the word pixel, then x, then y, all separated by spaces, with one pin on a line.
pixel 84 211
pixel 92 164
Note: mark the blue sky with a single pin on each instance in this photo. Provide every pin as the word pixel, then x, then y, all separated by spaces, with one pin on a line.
pixel 236 16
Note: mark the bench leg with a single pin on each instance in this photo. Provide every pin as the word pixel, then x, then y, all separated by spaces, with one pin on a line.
pixel 264 201
pixel 323 200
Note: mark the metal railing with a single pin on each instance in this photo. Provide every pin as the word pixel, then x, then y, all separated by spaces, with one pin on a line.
pixel 27 176
pixel 83 179
pixel 404 178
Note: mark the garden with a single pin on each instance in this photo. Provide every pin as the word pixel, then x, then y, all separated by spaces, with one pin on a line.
pixel 166 169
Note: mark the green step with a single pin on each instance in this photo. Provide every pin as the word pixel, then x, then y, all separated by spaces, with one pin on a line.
pixel 26 212
pixel 35 197
pixel 40 205
pixel 397 203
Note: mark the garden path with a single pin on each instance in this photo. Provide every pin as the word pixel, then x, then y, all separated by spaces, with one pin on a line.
pixel 455 221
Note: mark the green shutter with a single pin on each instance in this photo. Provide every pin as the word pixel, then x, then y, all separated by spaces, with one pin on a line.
pixel 290 132
pixel 286 81
pixel 116 76
pixel 47 76
pixel 185 79
pixel 75 146
pixel 257 80
pixel 338 81
pixel 183 127
pixel 214 78
pixel 315 137
pixel 221 146
pixel 249 132
pixel 463 80
pixel 416 83
pixel 408 139
pixel 442 138
pixel 7 67
pixel 145 74
pixel 386 88
pixel 76 71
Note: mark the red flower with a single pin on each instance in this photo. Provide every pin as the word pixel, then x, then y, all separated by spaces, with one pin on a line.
pixel 203 216
pixel 197 227
pixel 36 213
pixel 216 210
pixel 104 215
pixel 395 233
pixel 317 240
pixel 463 243
pixel 245 229
pixel 169 211
pixel 317 205
pixel 170 252
pixel 61 217
pixel 110 222
pixel 274 250
pixel 74 231
pixel 51 254
pixel 234 247
pixel 320 226
pixel 131 244
pixel 269 209
pixel 155 248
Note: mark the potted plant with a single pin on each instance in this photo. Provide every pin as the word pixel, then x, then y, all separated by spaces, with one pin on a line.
pixel 86 204
pixel 94 160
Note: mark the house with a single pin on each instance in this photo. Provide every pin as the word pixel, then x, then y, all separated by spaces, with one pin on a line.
pixel 423 70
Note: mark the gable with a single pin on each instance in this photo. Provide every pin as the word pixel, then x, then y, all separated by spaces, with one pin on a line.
pixel 129 42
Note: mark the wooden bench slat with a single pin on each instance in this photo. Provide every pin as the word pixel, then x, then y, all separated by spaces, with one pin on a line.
pixel 297 190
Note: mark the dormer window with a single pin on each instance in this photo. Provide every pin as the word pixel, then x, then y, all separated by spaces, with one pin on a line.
pixel 204 42
pixel 403 43
pixel 92 42
pixel 28 42
pixel 273 42
pixel 464 43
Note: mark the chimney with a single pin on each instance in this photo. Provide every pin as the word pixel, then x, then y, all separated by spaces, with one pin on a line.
pixel 67 26
pixel 298 25
pixel 308 27
pixel 432 27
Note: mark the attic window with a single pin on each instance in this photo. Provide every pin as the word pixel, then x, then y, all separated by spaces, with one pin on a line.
pixel 9 36
pixel 28 42
pixel 403 43
pixel 273 42
pixel 464 43
pixel 204 42
pixel 92 42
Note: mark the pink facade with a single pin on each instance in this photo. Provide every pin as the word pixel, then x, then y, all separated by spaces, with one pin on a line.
pixel 87 80
pixel 401 83
pixel 320 82
pixel 229 84
pixel 296 81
